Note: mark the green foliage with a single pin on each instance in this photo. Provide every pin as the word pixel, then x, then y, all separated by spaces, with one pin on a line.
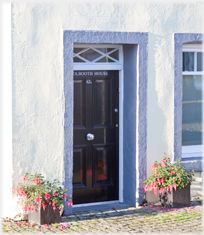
pixel 36 190
pixel 168 175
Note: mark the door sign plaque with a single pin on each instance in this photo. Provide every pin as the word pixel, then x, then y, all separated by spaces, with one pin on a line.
pixel 95 73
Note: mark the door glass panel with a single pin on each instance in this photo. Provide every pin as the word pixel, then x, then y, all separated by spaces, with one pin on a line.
pixel 199 61
pixel 188 61
pixel 192 110
pixel 90 55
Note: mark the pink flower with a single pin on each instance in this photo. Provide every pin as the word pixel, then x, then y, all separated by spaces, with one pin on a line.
pixel 158 180
pixel 34 181
pixel 69 203
pixel 143 205
pixel 152 206
pixel 23 178
pixel 50 202
pixel 171 186
pixel 163 163
pixel 43 206
pixel 162 190
pixel 54 208
pixel 20 193
pixel 168 188
pixel 47 196
pixel 17 223
pixel 6 220
pixel 38 199
pixel 65 196
pixel 146 187
pixel 163 181
pixel 155 191
pixel 150 188
pixel 153 167
pixel 54 194
pixel 174 185
pixel 61 212
pixel 63 227
pixel 45 225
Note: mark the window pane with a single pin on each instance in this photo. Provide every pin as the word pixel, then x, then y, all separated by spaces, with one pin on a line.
pixel 105 50
pixel 90 55
pixel 76 59
pixel 192 110
pixel 76 49
pixel 199 61
pixel 188 61
pixel 115 55
pixel 104 59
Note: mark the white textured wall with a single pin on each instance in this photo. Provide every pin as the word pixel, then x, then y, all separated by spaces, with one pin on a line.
pixel 37 31
pixel 6 112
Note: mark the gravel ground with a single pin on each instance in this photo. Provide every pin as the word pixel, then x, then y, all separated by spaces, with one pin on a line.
pixel 147 219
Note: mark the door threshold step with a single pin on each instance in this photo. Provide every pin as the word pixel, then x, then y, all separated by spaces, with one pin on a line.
pixel 102 206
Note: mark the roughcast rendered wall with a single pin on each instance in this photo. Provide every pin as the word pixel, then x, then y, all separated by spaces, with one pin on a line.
pixel 37 80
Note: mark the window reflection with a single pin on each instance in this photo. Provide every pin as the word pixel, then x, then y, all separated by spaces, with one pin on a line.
pixel 188 61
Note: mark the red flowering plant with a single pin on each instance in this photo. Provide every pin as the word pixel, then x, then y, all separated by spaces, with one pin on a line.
pixel 167 176
pixel 36 191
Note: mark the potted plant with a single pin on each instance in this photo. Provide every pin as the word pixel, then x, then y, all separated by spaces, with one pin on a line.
pixel 44 201
pixel 172 182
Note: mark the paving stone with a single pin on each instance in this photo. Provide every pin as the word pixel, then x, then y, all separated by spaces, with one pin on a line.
pixel 119 220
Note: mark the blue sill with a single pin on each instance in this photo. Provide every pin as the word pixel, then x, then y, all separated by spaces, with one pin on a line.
pixel 191 159
pixel 193 163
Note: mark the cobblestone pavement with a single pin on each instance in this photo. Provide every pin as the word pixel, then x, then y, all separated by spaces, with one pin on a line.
pixel 146 219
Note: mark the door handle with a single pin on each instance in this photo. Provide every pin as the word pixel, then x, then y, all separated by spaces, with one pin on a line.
pixel 90 136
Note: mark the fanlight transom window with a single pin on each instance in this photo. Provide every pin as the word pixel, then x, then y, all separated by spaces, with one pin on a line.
pixel 94 54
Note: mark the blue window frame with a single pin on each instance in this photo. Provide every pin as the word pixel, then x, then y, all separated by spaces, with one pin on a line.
pixel 184 65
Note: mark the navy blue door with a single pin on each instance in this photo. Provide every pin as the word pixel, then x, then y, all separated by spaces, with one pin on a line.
pixel 96 136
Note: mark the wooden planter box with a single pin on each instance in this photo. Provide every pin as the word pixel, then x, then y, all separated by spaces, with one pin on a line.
pixel 176 198
pixel 41 216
